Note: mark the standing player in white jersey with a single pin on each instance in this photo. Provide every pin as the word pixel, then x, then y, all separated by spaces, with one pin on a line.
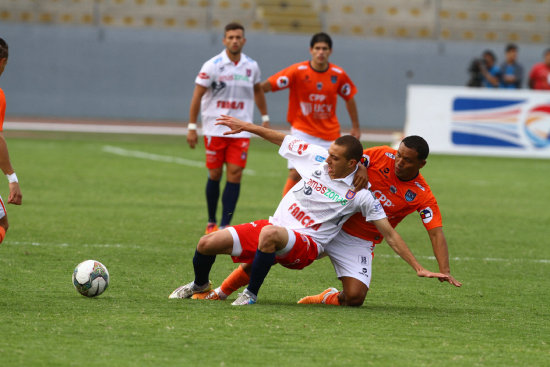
pixel 307 218
pixel 228 83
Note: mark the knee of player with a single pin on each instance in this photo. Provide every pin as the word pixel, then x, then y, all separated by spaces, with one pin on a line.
pixel 354 299
pixel 270 239
pixel 205 244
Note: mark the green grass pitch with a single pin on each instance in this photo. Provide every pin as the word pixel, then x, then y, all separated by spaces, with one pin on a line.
pixel 136 203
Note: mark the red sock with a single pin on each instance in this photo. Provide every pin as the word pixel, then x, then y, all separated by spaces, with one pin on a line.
pixel 289 184
pixel 2 233
pixel 237 279
pixel 332 299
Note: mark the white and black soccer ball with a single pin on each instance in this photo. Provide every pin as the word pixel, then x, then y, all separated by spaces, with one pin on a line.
pixel 90 278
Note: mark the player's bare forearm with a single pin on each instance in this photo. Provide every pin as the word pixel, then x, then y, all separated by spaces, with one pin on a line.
pixel 237 126
pixel 266 86
pixel 351 106
pixel 441 253
pixel 194 109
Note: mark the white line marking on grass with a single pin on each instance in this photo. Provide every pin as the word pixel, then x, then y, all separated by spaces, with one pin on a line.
pixel 161 158
pixel 100 245
pixel 488 259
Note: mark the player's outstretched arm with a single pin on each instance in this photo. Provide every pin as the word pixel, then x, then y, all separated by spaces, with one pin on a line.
pixel 400 247
pixel 237 126
pixel 441 253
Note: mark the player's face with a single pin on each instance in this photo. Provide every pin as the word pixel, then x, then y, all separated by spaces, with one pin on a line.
pixel 320 53
pixel 338 165
pixel 234 41
pixel 407 163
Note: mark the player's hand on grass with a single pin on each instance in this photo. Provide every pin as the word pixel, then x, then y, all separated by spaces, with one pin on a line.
pixel 451 280
pixel 428 274
pixel 192 138
pixel 233 123
pixel 15 196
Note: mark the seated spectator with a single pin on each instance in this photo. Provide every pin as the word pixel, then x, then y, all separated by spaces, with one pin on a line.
pixel 539 77
pixel 484 72
pixel 511 76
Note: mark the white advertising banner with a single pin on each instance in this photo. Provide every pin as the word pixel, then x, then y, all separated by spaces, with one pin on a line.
pixel 479 121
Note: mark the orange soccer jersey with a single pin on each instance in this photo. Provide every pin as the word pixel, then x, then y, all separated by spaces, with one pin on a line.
pixel 2 109
pixel 313 96
pixel 399 198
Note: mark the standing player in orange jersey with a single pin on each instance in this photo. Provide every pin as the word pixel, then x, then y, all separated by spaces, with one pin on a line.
pixel 15 196
pixel 314 89
pixel 397 183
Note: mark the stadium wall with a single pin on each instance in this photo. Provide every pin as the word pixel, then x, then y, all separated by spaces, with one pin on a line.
pixel 148 75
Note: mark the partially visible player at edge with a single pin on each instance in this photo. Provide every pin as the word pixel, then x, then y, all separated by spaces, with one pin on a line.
pixel 227 84
pixel 314 89
pixel 400 187
pixel 15 196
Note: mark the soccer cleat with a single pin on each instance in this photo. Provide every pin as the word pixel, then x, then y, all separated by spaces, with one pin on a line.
pixel 245 298
pixel 210 227
pixel 319 298
pixel 211 295
pixel 187 290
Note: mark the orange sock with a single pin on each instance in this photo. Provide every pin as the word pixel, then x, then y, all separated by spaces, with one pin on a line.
pixel 332 299
pixel 289 183
pixel 237 279
pixel 2 233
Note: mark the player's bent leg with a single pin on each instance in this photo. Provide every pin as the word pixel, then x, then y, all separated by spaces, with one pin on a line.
pixel 354 292
pixel 216 243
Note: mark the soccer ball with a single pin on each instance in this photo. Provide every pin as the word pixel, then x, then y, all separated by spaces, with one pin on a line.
pixel 90 278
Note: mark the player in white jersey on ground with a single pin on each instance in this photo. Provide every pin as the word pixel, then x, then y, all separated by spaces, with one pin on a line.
pixel 228 83
pixel 307 218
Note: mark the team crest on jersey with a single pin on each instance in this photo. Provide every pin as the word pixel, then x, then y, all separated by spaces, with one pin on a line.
pixel 317 173
pixel 350 194
pixel 410 195
pixel 393 189
pixel 248 72
pixel 334 79
pixel 319 86
pixel 426 215
pixel 282 81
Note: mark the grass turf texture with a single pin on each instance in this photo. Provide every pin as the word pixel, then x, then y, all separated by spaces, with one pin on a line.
pixel 142 219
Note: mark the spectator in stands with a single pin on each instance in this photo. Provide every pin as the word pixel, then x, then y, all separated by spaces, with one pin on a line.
pixel 511 76
pixel 539 77
pixel 484 72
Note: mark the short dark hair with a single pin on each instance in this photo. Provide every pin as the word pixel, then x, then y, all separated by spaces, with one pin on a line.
pixel 490 53
pixel 321 37
pixel 419 144
pixel 3 49
pixel 511 47
pixel 354 149
pixel 233 26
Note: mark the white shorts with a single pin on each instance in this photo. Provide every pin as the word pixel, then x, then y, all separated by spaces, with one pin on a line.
pixel 2 208
pixel 308 139
pixel 351 257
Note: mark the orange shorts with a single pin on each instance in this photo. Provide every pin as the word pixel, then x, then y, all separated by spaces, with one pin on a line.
pixel 246 236
pixel 220 150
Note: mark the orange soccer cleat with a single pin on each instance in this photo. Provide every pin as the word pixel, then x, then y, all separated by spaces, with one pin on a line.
pixel 319 298
pixel 211 227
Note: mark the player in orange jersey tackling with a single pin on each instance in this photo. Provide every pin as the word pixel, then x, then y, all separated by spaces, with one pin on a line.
pixel 314 89
pixel 399 186
pixel 15 196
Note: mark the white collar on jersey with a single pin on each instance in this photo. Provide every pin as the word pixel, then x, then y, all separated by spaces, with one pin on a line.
pixel 226 60
pixel 348 180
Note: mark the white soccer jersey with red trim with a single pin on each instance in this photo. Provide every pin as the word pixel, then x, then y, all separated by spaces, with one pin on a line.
pixel 318 205
pixel 230 92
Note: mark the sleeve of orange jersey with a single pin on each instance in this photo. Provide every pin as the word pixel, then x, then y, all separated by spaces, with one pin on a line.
pixel 282 79
pixel 347 89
